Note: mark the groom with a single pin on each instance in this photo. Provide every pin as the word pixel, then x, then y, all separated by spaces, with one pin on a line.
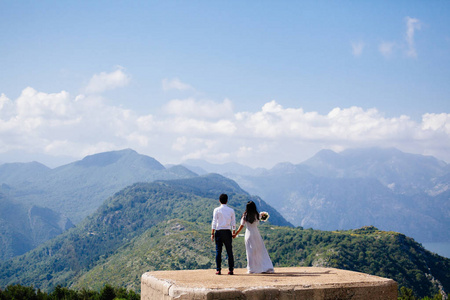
pixel 224 220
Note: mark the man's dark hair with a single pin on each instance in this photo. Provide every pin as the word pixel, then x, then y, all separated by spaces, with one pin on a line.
pixel 223 198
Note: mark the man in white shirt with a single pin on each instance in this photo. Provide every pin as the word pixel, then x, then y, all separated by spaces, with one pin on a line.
pixel 223 223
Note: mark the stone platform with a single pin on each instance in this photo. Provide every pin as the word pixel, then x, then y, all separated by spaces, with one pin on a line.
pixel 286 283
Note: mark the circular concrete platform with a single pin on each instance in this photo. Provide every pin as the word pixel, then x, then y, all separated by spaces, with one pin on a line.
pixel 285 283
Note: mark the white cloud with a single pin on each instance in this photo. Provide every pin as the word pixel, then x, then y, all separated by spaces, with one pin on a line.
pixel 411 26
pixel 436 122
pixel 386 48
pixel 107 81
pixel 38 104
pixel 357 48
pixel 6 107
pixel 63 125
pixel 175 84
pixel 200 109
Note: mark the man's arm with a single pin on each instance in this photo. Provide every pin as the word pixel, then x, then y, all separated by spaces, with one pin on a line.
pixel 213 225
pixel 233 222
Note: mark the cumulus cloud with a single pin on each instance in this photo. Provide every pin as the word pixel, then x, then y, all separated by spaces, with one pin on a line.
pixel 412 25
pixel 357 48
pixel 32 103
pixel 107 81
pixel 436 123
pixel 60 124
pixel 175 84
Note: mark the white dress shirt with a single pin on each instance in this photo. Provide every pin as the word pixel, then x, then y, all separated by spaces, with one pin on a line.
pixel 223 218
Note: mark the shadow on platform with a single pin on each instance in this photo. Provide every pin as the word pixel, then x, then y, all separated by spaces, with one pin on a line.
pixel 287 274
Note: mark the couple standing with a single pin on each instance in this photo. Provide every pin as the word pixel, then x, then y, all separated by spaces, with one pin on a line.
pixel 224 230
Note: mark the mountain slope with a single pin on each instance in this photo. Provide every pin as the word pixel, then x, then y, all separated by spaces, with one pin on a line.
pixel 123 217
pixel 179 244
pixel 74 190
pixel 203 167
pixel 172 245
pixel 382 187
pixel 166 225
pixel 367 250
pixel 404 173
pixel 23 228
pixel 79 188
pixel 11 173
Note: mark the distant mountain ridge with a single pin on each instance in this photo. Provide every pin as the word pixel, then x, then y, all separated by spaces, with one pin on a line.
pixel 387 188
pixel 202 167
pixel 88 182
pixel 72 191
pixel 402 172
pixel 13 172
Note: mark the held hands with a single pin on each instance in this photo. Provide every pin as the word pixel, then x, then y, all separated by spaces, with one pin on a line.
pixel 235 234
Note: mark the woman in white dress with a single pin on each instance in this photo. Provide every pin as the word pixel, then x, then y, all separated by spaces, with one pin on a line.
pixel 258 260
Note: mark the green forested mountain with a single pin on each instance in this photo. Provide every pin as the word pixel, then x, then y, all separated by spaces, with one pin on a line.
pixel 368 250
pixel 123 217
pixel 166 225
pixel 179 245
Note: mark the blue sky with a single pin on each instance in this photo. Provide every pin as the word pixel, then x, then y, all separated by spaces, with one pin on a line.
pixel 258 82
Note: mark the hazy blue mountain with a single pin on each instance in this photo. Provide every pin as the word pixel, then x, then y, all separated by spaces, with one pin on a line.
pixel 404 173
pixel 11 173
pixel 386 188
pixel 23 228
pixel 79 188
pixel 181 171
pixel 202 167
pixel 74 190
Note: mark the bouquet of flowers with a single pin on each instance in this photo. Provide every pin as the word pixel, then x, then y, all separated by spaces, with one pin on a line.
pixel 264 216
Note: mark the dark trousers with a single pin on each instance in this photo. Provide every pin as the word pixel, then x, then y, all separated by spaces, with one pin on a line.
pixel 224 237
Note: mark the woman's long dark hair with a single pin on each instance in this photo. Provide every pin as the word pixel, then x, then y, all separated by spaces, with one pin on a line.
pixel 251 213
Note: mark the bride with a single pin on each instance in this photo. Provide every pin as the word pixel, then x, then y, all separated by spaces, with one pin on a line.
pixel 258 260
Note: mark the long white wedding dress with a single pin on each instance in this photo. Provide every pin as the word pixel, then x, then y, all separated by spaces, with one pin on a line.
pixel 258 260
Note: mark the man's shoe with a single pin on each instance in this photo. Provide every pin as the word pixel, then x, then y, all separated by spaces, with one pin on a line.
pixel 230 273
pixel 218 273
